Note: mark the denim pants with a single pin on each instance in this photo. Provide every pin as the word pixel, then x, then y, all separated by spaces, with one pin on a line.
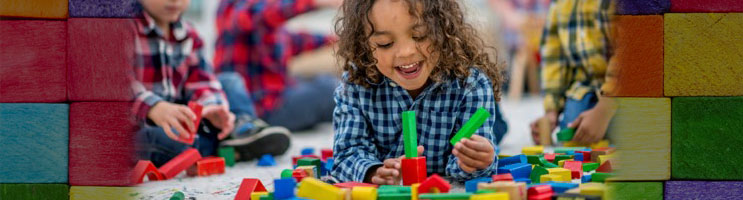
pixel 154 145
pixel 574 107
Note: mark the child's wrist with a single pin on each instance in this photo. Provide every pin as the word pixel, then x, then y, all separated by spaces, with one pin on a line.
pixel 370 173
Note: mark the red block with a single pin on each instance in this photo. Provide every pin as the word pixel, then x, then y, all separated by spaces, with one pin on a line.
pixel 248 186
pixel 413 170
pixel 180 163
pixel 706 6
pixel 503 177
pixel 32 61
pixel 605 168
pixel 145 167
pixel 101 144
pixel 296 158
pixel 354 184
pixel 540 192
pixel 207 166
pixel 638 61
pixel 196 108
pixel 549 157
pixel 575 167
pixel 586 155
pixel 435 181
pixel 100 59
pixel 299 174
pixel 326 153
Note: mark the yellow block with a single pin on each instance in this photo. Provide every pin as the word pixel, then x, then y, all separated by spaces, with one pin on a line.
pixel 533 150
pixel 257 195
pixel 97 193
pixel 702 54
pixel 549 177
pixel 515 190
pixel 572 144
pixel 564 174
pixel 596 189
pixel 562 162
pixel 604 158
pixel 641 131
pixel 414 191
pixel 364 193
pixel 491 196
pixel 315 189
pixel 600 144
pixel 54 9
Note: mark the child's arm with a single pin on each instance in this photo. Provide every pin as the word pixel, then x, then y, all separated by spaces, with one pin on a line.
pixel 148 105
pixel 275 13
pixel 303 42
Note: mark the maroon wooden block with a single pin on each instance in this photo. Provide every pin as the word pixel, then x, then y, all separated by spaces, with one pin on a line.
pixel 325 154
pixel 705 6
pixel 605 167
pixel 540 192
pixel 413 170
pixel 32 61
pixel 101 143
pixel 100 59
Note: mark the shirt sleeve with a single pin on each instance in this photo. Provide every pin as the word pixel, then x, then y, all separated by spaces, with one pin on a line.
pixel 303 42
pixel 274 13
pixel 144 99
pixel 554 67
pixel 201 83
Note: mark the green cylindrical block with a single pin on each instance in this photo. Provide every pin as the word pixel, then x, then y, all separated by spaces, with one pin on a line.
pixel 410 135
pixel 474 123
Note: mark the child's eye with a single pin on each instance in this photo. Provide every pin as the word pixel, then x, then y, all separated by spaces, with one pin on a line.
pixel 384 46
pixel 419 38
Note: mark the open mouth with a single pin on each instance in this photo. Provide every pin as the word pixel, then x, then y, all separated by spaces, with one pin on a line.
pixel 410 71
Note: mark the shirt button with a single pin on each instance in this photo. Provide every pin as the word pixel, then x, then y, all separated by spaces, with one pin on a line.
pixel 393 84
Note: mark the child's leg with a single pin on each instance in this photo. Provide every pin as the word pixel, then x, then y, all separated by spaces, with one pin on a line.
pixel 308 102
pixel 154 145
pixel 237 95
pixel 574 107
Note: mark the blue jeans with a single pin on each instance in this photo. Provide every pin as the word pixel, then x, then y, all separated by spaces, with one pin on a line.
pixel 574 107
pixel 501 127
pixel 154 145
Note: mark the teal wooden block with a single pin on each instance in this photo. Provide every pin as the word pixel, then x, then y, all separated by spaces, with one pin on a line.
pixel 34 143
pixel 34 191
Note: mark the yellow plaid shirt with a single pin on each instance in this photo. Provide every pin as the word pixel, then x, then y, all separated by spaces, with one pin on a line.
pixel 575 49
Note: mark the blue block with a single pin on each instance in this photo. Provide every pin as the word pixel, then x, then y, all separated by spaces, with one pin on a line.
pixel 266 160
pixel 329 165
pixel 284 188
pixel 525 180
pixel 308 151
pixel 643 7
pixel 518 170
pixel 521 158
pixel 578 157
pixel 585 179
pixel 558 187
pixel 34 141
pixel 471 185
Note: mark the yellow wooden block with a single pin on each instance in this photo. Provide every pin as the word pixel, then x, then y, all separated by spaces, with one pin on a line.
pixel 573 191
pixel 600 144
pixel 533 150
pixel 591 188
pixel 702 54
pixel 641 131
pixel 564 174
pixel 53 9
pixel 515 190
pixel 310 169
pixel 491 196
pixel 364 193
pixel 257 195
pixel 315 189
pixel 561 162
pixel 549 177
pixel 97 193
pixel 414 191
pixel 604 158
pixel 572 144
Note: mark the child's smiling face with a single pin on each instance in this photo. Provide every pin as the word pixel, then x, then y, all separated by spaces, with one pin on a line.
pixel 401 46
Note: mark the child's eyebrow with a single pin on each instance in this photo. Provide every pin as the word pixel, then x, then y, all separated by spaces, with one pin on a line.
pixel 413 27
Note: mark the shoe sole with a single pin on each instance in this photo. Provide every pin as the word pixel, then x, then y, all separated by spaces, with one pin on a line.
pixel 271 140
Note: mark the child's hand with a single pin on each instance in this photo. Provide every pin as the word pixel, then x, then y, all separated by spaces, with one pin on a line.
pixel 474 154
pixel 169 115
pixel 591 125
pixel 551 116
pixel 389 173
pixel 221 117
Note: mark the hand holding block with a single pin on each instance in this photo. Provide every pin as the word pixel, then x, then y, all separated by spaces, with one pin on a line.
pixel 248 186
pixel 469 127
pixel 565 134
pixel 51 9
pixel 145 168
pixel 196 108
pixel 413 170
pixel 180 163
pixel 410 135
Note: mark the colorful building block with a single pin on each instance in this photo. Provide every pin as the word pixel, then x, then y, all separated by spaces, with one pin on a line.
pixel 605 167
pixel 410 134
pixel 596 189
pixel 312 188
pixel 34 191
pixel 413 170
pixel 266 160
pixel 471 185
pixel 703 190
pixel 600 177
pixel 248 186
pixel 414 191
pixel 311 171
pixel 228 153
pixel 533 150
pixel 590 166
pixel 512 160
pixel 565 134
pixel 516 191
pixel 491 196
pixel 145 168
pixel 701 6
pixel 354 184
pixel 550 177
pixel 311 161
pixel 257 195
pixel 585 179
pixel 287 173
pixel 434 184
pixel 299 174
pixel 364 193
pixel 48 9
pixel 284 188
pixel 524 180
pixel 103 8
pixel 560 187
pixel 325 154
pixel 33 67
pixel 472 124
pixel 540 192
pixel 308 151
pixel 502 177
pixel 545 131
pixel 536 173
pixel 559 158
pixel 642 7
pixel 550 157
pixel 634 190
pixel 451 196
pixel 575 167
pixel 178 164
pixel 518 170
pixel 564 174
pixel 99 192
pixel 178 195
pixel 207 166
pixel 639 56
pixel 328 166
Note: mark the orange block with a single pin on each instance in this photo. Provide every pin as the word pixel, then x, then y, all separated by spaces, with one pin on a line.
pixel 637 67
pixel 51 9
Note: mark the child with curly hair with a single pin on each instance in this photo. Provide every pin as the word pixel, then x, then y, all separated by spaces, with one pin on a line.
pixel 410 55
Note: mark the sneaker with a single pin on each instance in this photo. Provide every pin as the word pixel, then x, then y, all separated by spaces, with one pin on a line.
pixel 254 137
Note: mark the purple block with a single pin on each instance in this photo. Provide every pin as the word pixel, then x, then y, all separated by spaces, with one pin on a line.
pixel 704 190
pixel 103 8
pixel 643 7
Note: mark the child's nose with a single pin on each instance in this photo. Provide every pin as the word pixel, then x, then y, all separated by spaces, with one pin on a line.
pixel 406 50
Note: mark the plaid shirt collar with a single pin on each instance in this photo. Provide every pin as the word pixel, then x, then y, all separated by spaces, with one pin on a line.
pixel 148 26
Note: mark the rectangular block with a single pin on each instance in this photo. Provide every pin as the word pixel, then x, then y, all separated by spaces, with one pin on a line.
pixel 103 8
pixel 634 190
pixel 703 52
pixel 703 190
pixel 50 9
pixel 34 191
pixel 642 7
pixel 100 58
pixel 707 138
pixel 706 6
pixel 96 193
pixel 33 65
pixel 34 143
pixel 641 130
pixel 101 143
pixel 638 61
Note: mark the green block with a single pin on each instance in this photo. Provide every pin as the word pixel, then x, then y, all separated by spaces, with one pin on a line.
pixel 706 138
pixel 558 158
pixel 178 196
pixel 310 162
pixel 394 196
pixel 534 159
pixel 547 164
pixel 565 134
pixel 485 191
pixel 34 191
pixel 445 196
pixel 471 125
pixel 267 197
pixel 287 173
pixel 600 177
pixel 587 167
pixel 410 135
pixel 536 174
pixel 228 153
pixel 392 189
pixel 567 149
pixel 635 190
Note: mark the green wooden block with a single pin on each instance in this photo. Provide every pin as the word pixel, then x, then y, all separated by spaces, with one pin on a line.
pixel 310 162
pixel 558 158
pixel 228 153
pixel 391 189
pixel 410 135
pixel 587 167
pixel 394 196
pixel 471 125
pixel 567 149
pixel 635 190
pixel 600 177
pixel 267 197
pixel 286 173
pixel 534 159
pixel 706 138
pixel 565 134
pixel 485 191
pixel 547 164
pixel 34 191
pixel 178 195
pixel 536 174
pixel 445 196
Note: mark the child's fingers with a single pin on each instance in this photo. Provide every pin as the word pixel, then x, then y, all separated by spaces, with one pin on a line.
pixel 469 152
pixel 392 163
pixel 421 149
pixel 178 127
pixel 184 119
pixel 478 143
pixel 378 180
pixel 387 172
pixel 465 167
pixel 169 132
pixel 187 111
pixel 472 161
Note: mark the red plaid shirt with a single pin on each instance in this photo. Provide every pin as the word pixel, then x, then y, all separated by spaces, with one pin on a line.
pixel 253 43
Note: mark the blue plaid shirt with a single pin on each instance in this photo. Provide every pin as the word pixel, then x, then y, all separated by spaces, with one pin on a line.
pixel 368 124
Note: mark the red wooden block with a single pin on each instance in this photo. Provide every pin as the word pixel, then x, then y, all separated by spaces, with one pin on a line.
pixel 325 154
pixel 575 167
pixel 354 184
pixel 605 168
pixel 100 59
pixel 196 108
pixel 705 6
pixel 549 157
pixel 101 144
pixel 248 186
pixel 586 155
pixel 207 166
pixel 32 61
pixel 413 170
pixel 435 181
pixel 638 61
pixel 540 192
pixel 145 167
pixel 299 174
pixel 180 163
pixel 503 177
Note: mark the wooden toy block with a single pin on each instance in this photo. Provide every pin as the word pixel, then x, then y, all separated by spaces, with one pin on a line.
pixel 325 154
pixel 395 196
pixel 596 189
pixel 701 56
pixel 180 163
pixel 540 192
pixel 634 190
pixel 512 160
pixel 34 191
pixel 434 184
pixel 314 161
pixel 248 186
pixel 257 195
pixel 703 190
pixel 565 174
pixel 103 8
pixel 98 159
pixel 558 187
pixel 565 134
pixel 701 6
pixel 178 195
pixel 600 177
pixel 284 188
pixel 354 184
pixel 559 158
pixel 518 170
pixel 547 164
pixel 605 158
pixel 472 124
pixel 535 159
pixel 413 170
pixel 328 166
pixel 295 159
pixel 599 144
pixel 414 191
pixel 561 163
pixel 99 192
pixel 196 108
pixel 567 196
pixel 410 134
pixel 545 133
pixel 567 150
pixel 312 188
pixel 364 193
pixel 299 174
pixel 311 171
pixel 452 196
pixel 96 70
pixel 145 168
pixel 503 177
pixel 702 125
pixel 491 196
pixel 266 160
pixel 572 144
pixel 287 173
pixel 550 177
pixel 471 185
pixel 525 180
pixel 642 7
pixel 207 166
pixel 550 157
pixel 34 143
pixel 48 9
pixel 585 155
pixel 590 166
pixel 536 174
pixel 516 191
pixel 641 131
pixel 639 56
pixel 228 153
pixel 585 178
pixel 394 189
pixel 307 151
pixel 575 167
pixel 33 63
pixel 533 150
pixel 605 167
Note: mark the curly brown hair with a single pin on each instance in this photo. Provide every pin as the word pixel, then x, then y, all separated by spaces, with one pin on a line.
pixel 457 42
